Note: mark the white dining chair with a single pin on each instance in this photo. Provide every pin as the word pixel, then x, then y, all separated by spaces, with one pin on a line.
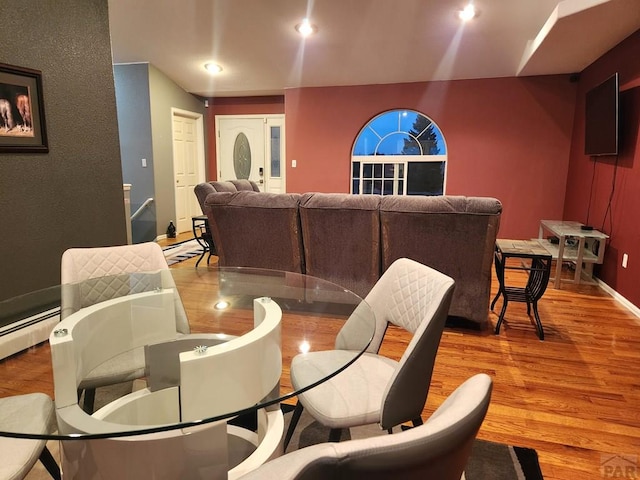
pixel 93 275
pixel 29 413
pixel 377 389
pixel 438 449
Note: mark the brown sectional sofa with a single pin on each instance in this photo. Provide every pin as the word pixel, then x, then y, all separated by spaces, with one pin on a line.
pixel 352 239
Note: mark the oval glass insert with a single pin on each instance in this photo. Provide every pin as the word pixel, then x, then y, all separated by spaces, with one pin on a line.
pixel 242 157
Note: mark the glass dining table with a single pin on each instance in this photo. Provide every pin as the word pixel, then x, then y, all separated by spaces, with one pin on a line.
pixel 190 367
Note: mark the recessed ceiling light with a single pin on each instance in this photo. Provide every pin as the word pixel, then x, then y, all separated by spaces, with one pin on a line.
pixel 306 28
pixel 213 68
pixel 467 13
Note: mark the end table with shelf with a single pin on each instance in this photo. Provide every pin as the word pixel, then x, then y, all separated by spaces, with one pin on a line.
pixel 574 245
pixel 536 261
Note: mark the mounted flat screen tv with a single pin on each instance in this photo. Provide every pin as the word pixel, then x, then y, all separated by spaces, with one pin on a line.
pixel 601 118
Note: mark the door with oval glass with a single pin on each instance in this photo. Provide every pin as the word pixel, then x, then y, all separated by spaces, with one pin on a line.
pixel 251 147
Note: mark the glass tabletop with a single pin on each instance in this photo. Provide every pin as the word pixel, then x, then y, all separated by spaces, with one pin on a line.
pixel 176 348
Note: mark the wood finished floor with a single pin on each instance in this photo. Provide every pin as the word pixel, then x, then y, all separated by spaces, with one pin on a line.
pixel 574 397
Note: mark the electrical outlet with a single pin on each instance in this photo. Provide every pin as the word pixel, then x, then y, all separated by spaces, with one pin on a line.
pixel 625 259
pixel 294 163
pixel 144 163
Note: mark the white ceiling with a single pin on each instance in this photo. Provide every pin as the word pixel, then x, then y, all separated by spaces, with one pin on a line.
pixel 362 42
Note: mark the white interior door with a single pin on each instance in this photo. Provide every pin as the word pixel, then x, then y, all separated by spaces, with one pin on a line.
pixel 251 147
pixel 186 163
pixel 241 149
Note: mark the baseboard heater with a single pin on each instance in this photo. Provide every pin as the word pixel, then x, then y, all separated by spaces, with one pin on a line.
pixel 27 320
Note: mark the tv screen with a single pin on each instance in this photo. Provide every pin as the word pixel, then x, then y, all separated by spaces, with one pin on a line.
pixel 601 118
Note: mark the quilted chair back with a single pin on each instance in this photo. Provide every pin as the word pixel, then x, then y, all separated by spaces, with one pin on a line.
pixel 438 449
pixel 416 298
pixel 109 272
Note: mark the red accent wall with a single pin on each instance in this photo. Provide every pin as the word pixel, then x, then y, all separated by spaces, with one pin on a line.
pixel 518 139
pixel 508 138
pixel 618 180
pixel 235 106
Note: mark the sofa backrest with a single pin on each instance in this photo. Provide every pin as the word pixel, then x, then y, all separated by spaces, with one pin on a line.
pixel 341 236
pixel 453 234
pixel 203 189
pixel 252 229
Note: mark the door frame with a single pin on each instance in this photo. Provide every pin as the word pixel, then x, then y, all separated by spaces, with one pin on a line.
pixel 267 142
pixel 200 149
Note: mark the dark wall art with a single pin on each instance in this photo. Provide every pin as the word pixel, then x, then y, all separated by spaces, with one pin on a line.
pixel 22 122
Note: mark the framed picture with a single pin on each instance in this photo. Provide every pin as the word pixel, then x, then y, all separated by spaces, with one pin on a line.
pixel 22 122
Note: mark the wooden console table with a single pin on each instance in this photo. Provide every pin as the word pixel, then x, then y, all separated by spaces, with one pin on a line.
pixel 574 245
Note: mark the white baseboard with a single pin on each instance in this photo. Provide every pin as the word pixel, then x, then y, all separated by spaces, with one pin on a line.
pixel 27 337
pixel 619 298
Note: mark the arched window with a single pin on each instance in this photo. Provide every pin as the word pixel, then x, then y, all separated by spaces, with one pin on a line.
pixel 399 152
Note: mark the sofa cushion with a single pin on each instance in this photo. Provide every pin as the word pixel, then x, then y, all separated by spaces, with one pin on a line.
pixel 453 234
pixel 245 185
pixel 252 229
pixel 341 235
pixel 223 186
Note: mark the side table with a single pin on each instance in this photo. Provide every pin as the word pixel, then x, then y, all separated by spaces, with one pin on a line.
pixel 587 247
pixel 202 234
pixel 538 270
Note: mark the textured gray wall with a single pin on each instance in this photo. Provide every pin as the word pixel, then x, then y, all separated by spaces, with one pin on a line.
pixel 164 95
pixel 134 124
pixel 71 196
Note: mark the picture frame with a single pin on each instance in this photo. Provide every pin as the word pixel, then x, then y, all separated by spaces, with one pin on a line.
pixel 22 120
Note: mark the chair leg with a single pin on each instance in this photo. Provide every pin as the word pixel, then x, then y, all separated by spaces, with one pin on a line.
pixel 295 417
pixel 89 400
pixel 335 434
pixel 416 422
pixel 50 464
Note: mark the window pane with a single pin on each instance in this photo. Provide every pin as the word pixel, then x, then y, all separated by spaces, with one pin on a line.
pixel 408 119
pixel 396 144
pixel 385 123
pixel 425 178
pixel 377 170
pixel 429 141
pixel 377 187
pixel 366 143
pixel 356 187
pixel 275 151
pixel 242 157
pixel 389 169
pixel 367 186
pixel 401 170
pixel 355 170
pixel 367 170
pixel 388 187
pixel 400 187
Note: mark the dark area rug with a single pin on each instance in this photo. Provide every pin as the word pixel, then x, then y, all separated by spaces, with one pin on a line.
pixel 488 461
